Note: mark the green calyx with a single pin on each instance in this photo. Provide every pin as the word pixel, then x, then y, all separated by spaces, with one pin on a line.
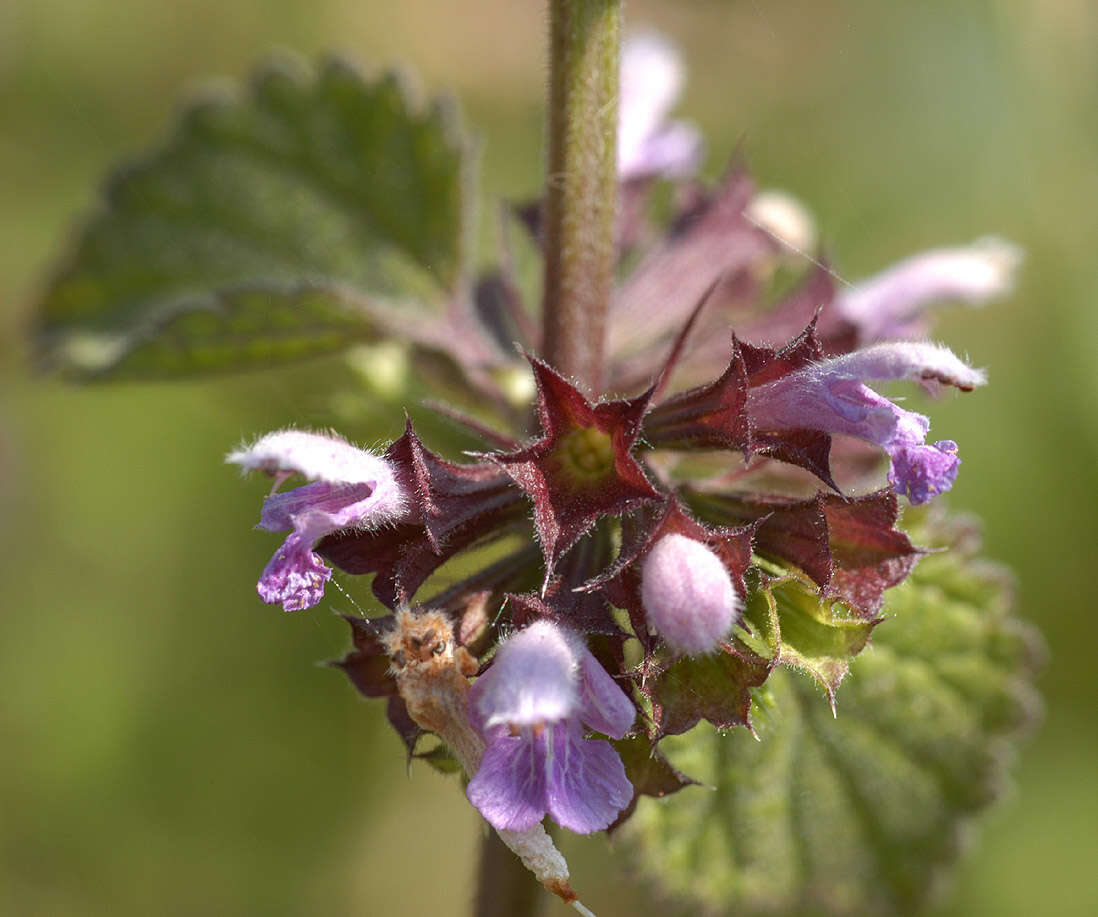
pixel 586 455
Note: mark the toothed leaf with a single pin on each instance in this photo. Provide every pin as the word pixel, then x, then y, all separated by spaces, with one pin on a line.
pixel 311 210
pixel 862 813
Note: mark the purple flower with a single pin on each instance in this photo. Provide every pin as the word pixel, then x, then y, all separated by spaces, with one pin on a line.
pixel 830 396
pixel 352 489
pixel 651 79
pixel 687 594
pixel 531 708
pixel 890 304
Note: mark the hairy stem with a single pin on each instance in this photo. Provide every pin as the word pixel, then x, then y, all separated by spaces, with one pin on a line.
pixel 581 199
pixel 505 888
pixel 581 187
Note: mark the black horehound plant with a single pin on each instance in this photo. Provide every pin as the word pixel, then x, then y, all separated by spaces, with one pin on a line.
pixel 688 523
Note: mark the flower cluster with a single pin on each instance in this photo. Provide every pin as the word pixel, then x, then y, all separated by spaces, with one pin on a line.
pixel 742 451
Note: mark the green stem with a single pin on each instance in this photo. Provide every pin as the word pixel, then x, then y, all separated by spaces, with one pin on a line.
pixel 505 888
pixel 581 192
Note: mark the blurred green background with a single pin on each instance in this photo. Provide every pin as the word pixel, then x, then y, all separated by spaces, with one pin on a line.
pixel 167 745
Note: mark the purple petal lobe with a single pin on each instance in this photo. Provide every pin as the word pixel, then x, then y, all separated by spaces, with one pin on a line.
pixel 587 785
pixel 652 75
pixel 509 789
pixel 343 503
pixel 294 577
pixel 533 680
pixel 604 707
pixel 856 410
pixel 922 472
pixel 675 151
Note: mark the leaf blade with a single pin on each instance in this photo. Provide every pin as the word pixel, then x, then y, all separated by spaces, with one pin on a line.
pixel 319 182
pixel 861 813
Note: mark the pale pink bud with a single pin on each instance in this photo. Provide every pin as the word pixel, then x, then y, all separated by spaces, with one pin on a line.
pixel 784 218
pixel 688 595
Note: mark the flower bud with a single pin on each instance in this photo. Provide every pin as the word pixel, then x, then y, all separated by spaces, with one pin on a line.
pixel 688 595
pixel 783 217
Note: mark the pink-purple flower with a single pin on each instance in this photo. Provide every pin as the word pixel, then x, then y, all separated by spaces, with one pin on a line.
pixel 892 304
pixel 652 75
pixel 543 691
pixel 830 396
pixel 351 488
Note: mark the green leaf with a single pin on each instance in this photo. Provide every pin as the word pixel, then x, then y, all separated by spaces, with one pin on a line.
pixel 648 770
pixel 818 636
pixel 714 687
pixel 311 211
pixel 857 813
